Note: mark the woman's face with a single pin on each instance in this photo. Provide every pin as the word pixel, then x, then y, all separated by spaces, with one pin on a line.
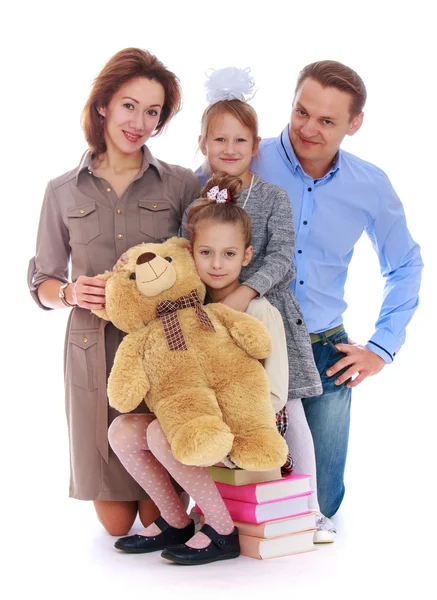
pixel 132 115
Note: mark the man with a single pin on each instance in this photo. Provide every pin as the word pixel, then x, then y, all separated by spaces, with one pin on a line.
pixel 335 196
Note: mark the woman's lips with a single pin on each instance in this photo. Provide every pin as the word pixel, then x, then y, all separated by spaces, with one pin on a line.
pixel 132 137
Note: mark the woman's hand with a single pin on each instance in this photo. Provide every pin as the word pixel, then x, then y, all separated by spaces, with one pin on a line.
pixel 87 292
pixel 239 299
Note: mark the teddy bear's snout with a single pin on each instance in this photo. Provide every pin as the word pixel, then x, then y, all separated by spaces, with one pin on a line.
pixel 145 257
pixel 154 274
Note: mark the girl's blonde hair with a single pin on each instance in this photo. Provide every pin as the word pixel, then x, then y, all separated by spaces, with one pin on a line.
pixel 237 108
pixel 228 212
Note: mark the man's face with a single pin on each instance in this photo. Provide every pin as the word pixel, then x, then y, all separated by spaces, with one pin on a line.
pixel 319 122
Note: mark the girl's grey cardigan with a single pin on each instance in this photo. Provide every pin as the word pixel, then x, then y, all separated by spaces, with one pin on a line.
pixel 269 273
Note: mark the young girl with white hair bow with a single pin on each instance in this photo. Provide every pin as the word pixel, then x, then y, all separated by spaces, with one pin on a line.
pixel 229 140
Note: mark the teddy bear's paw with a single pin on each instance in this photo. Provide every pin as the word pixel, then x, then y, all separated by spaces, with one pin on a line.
pixel 124 405
pixel 263 450
pixel 202 442
pixel 254 340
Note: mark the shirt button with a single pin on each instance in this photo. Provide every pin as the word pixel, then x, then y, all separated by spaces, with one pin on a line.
pixel 120 236
pixel 109 190
pixel 154 206
pixel 85 339
pixel 299 322
pixel 90 172
pixel 118 211
pixel 305 222
pixel 301 282
pixel 81 212
pixel 299 251
pixel 310 189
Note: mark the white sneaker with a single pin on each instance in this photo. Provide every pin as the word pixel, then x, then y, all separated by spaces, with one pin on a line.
pixel 326 532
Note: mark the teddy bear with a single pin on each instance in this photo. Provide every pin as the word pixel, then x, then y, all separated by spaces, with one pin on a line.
pixel 196 367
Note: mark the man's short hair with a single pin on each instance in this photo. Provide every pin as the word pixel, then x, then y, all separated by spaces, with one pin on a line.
pixel 330 73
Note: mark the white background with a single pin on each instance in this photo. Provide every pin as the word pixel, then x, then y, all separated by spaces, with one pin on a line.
pixel 50 54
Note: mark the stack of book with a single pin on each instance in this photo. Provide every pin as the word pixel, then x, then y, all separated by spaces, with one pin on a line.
pixel 270 511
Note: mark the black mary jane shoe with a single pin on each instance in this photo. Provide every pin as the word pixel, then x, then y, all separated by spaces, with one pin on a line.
pixel 169 536
pixel 222 547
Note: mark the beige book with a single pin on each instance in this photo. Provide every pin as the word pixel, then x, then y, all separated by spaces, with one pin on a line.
pixel 242 477
pixel 284 545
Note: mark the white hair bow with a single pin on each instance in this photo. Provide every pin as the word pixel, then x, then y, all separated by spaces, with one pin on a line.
pixel 218 195
pixel 230 83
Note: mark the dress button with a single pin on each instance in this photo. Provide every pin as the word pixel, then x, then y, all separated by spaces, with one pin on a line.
pixel 310 189
pixel 301 282
pixel 118 211
pixel 299 251
pixel 305 222
pixel 109 190
pixel 120 236
pixel 299 322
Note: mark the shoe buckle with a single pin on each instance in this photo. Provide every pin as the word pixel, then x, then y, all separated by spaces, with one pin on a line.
pixel 221 543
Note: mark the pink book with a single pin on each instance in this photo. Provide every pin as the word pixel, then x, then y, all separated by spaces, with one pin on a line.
pixel 251 512
pixel 259 493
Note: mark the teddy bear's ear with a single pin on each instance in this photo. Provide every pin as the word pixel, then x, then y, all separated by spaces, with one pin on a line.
pixel 181 242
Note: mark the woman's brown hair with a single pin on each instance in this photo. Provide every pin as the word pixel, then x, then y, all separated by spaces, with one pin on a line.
pixel 121 68
pixel 222 212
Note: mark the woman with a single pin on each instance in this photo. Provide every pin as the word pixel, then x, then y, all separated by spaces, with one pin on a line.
pixel 118 196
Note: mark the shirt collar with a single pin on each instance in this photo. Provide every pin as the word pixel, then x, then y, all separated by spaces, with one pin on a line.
pixel 148 160
pixel 287 149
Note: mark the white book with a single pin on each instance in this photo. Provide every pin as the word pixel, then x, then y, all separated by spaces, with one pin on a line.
pixel 284 545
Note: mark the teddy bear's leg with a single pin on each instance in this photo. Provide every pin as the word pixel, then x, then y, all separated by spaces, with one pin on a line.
pixel 246 408
pixel 194 426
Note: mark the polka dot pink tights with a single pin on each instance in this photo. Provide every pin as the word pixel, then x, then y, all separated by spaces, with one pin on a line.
pixel 142 448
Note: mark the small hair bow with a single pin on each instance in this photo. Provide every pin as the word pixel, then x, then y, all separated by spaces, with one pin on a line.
pixel 220 196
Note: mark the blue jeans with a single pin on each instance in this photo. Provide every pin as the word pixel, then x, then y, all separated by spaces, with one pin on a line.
pixel 328 416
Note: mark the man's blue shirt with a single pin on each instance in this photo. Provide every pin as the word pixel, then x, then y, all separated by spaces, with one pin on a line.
pixel 330 215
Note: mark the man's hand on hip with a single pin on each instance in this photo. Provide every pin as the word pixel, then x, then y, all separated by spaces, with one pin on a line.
pixel 361 362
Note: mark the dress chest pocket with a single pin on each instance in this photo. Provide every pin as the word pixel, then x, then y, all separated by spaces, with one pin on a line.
pixel 83 358
pixel 155 219
pixel 83 222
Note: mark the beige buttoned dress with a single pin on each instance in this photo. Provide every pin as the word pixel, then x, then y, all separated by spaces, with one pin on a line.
pixel 84 228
